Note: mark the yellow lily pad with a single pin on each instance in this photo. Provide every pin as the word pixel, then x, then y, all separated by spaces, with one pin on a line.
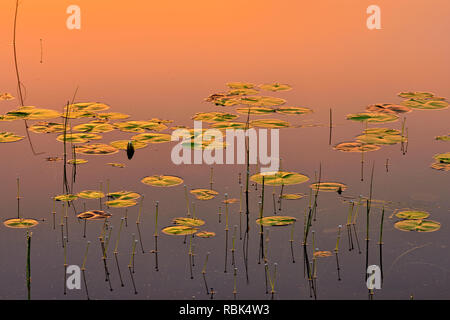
pixel 20 223
pixel 47 127
pixel 123 144
pixel 179 230
pixel 270 123
pixel 9 137
pixel 152 137
pixel 276 221
pixel 417 225
pixel 205 234
pixel 275 87
pixel 188 222
pixel 162 181
pixel 328 186
pixel 91 194
pixel 120 203
pixel 375 117
pixel 356 147
pixel 293 110
pixel 204 194
pixel 279 178
pixel 94 127
pixel 412 214
pixel 96 149
pixel 78 137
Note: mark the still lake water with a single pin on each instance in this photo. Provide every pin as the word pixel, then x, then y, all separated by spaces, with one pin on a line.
pixel 161 61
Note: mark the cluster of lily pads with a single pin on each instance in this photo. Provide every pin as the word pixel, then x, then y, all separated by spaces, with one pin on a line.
pixel 414 220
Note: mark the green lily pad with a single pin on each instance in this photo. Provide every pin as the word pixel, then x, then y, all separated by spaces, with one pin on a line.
pixel 96 149
pixel 425 104
pixel 20 223
pixel 375 117
pixel 179 230
pixel 79 137
pixel 204 140
pixel 66 197
pixel 276 221
pixel 124 195
pixel 275 87
pixel 356 147
pixel 412 214
pixel 328 186
pixel 242 92
pixel 293 110
pixel 120 203
pixel 112 116
pixel 417 94
pixel 443 157
pixel 204 194
pixel 214 116
pixel 279 178
pixel 255 110
pixel 205 234
pixel 9 137
pixel 94 215
pixel 123 144
pixel 162 181
pixel 240 85
pixel 140 126
pixel 94 127
pixel 33 113
pixel 47 127
pixel 270 123
pixel 188 222
pixel 260 101
pixel 91 194
pixel 417 225
pixel 381 136
pixel 230 125
pixel 152 137
pixel 443 138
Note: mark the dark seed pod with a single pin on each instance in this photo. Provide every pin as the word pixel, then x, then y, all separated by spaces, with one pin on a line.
pixel 130 150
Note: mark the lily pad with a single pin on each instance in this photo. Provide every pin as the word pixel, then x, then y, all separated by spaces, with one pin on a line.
pixel 260 101
pixel 66 197
pixel 328 186
pixel 240 85
pixel 94 127
pixel 293 110
pixel 375 117
pixel 204 194
pixel 441 166
pixel 33 113
pixel 425 104
pixel 116 165
pixel 417 225
pixel 9 137
pixel 94 215
pixel 381 136
pixel 78 137
pixel 112 116
pixel 443 138
pixel 179 230
pixel 270 123
pixel 417 94
pixel 162 181
pixel 242 92
pixel 388 108
pixel 223 99
pixel 356 147
pixel 91 194
pixel 140 126
pixel 205 234
pixel 291 196
pixel 255 110
pixel 47 127
pixel 443 157
pixel 230 125
pixel 123 144
pixel 96 149
pixel 279 178
pixel 6 96
pixel 152 137
pixel 120 203
pixel 412 214
pixel 188 222
pixel 214 116
pixel 77 161
pixel 20 223
pixel 275 87
pixel 322 254
pixel 124 195
pixel 277 221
